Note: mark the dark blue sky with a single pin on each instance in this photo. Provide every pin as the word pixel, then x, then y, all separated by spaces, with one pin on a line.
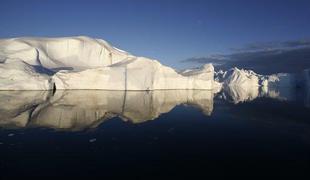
pixel 168 30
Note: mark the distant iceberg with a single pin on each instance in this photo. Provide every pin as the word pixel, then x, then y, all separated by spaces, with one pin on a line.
pixel 239 85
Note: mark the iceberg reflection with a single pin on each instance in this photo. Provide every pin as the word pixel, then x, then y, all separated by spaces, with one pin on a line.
pixel 82 109
pixel 238 94
pixel 17 106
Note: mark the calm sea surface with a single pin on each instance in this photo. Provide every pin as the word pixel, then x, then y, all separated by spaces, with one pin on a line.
pixel 139 134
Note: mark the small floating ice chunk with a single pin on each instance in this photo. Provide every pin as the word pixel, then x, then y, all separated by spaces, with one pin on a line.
pixel 92 140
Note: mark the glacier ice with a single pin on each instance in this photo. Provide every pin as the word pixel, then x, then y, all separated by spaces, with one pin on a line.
pixel 86 63
pixel 241 85
pixel 74 53
pixel 18 75
pixel 134 74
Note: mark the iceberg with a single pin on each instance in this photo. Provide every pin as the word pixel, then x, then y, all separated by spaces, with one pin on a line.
pixel 248 78
pixel 239 85
pixel 86 63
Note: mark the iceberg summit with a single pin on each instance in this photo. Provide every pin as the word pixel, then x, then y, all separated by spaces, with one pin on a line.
pixel 86 63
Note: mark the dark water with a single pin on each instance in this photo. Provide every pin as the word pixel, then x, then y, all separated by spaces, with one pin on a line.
pixel 153 134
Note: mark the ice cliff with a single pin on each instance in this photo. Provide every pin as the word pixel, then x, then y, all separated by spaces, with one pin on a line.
pixel 86 63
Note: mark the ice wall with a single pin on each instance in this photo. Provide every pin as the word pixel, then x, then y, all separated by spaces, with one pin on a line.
pixel 86 63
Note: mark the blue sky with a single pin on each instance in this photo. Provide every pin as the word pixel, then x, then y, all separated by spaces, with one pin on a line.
pixel 168 30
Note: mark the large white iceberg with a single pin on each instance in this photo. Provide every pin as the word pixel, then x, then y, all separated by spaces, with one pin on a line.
pixel 86 63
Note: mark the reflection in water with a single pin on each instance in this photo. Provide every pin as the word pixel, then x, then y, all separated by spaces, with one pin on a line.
pixel 80 109
pixel 237 94
pixel 258 137
pixel 17 106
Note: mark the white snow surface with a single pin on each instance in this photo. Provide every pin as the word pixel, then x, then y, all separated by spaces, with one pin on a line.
pixel 241 85
pixel 86 63
pixel 248 79
pixel 18 75
pixel 81 62
pixel 137 73
pixel 62 53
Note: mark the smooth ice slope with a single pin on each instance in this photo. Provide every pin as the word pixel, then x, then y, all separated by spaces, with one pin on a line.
pixel 72 53
pixel 86 63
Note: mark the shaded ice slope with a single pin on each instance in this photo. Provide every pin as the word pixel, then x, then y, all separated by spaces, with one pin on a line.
pixel 86 63
pixel 18 75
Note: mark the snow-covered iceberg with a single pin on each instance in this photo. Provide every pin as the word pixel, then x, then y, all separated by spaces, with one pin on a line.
pixel 238 77
pixel 248 78
pixel 86 63
pixel 241 85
